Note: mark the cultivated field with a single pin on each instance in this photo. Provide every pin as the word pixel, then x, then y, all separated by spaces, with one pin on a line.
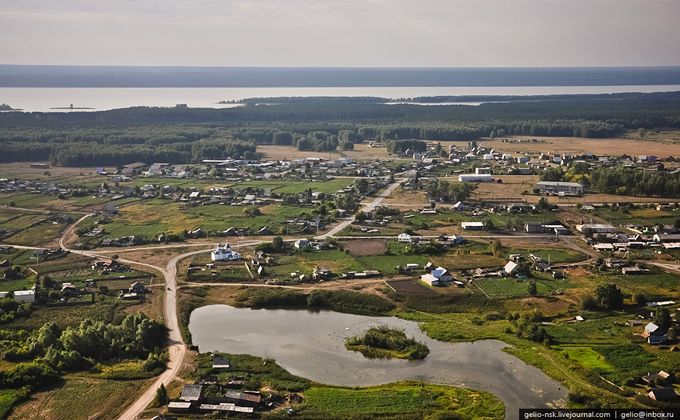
pixel 661 145
pixel 365 247
pixel 361 151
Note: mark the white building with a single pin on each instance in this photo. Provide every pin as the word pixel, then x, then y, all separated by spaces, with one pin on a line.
pixel 25 296
pixel 430 279
pixel 224 253
pixel 475 178
pixel 569 188
pixel 472 225
pixel 596 228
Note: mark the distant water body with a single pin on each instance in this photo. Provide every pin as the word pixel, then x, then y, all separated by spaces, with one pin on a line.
pixel 101 99
pixel 274 77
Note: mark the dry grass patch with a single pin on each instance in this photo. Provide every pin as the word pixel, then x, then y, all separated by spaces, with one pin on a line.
pixel 661 145
pixel 416 198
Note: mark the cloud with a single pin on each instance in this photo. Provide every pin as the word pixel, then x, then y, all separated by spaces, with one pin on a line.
pixel 350 32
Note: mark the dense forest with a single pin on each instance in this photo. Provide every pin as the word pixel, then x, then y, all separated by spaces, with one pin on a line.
pixel 185 135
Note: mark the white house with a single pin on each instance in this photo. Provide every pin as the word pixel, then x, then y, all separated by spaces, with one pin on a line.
pixel 442 275
pixel 404 238
pixel 301 243
pixel 224 253
pixel 510 267
pixel 459 206
pixel 430 279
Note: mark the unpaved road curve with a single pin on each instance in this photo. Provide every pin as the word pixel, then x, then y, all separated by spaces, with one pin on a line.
pixel 176 347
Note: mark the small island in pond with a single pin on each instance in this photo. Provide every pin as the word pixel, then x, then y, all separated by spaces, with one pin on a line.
pixel 383 342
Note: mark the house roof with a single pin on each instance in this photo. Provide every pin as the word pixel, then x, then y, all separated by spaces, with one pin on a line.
pixel 510 266
pixel 191 392
pixel 651 327
pixel 663 393
pixel 429 278
pixel 243 396
pixel 220 362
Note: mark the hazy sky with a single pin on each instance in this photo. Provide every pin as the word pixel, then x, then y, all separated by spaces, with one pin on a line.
pixel 361 33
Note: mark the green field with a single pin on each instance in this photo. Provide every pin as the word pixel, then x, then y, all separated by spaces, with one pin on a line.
pixel 153 217
pixel 588 358
pixel 508 287
pixel 277 186
pixel 76 397
pixel 597 329
pixel 38 235
pixel 437 401
pixel 376 400
pixel 26 199
pixel 637 216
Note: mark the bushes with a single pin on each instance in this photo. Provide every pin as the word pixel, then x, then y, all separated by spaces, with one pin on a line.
pixel 342 301
pixel 346 301
pixel 32 375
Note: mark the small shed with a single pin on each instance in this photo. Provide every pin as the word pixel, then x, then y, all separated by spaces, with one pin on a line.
pixel 176 406
pixel 110 209
pixel 220 362
pixel 192 393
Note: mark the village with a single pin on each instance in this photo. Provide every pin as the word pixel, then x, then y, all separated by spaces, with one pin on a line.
pixel 421 230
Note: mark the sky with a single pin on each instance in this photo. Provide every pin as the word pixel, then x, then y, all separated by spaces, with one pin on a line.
pixel 345 33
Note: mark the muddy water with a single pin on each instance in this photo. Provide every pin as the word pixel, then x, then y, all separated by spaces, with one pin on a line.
pixel 311 345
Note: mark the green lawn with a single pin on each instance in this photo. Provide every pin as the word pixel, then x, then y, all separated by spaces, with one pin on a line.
pixel 588 358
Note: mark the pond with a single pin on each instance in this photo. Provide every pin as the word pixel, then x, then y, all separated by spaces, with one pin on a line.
pixel 311 344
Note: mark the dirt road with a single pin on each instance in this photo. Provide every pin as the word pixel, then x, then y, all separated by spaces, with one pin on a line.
pixel 367 207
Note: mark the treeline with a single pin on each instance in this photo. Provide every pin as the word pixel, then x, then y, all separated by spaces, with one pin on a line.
pixel 185 135
pixel 630 181
pixel 619 180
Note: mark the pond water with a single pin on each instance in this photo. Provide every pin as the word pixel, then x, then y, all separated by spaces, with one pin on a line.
pixel 311 344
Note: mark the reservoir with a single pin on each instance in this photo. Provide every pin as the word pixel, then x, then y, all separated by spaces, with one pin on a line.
pixel 102 99
pixel 311 344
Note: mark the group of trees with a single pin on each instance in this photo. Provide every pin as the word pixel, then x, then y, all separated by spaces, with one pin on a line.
pixel 10 308
pixel 620 180
pixel 446 191
pixel 630 181
pixel 91 342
